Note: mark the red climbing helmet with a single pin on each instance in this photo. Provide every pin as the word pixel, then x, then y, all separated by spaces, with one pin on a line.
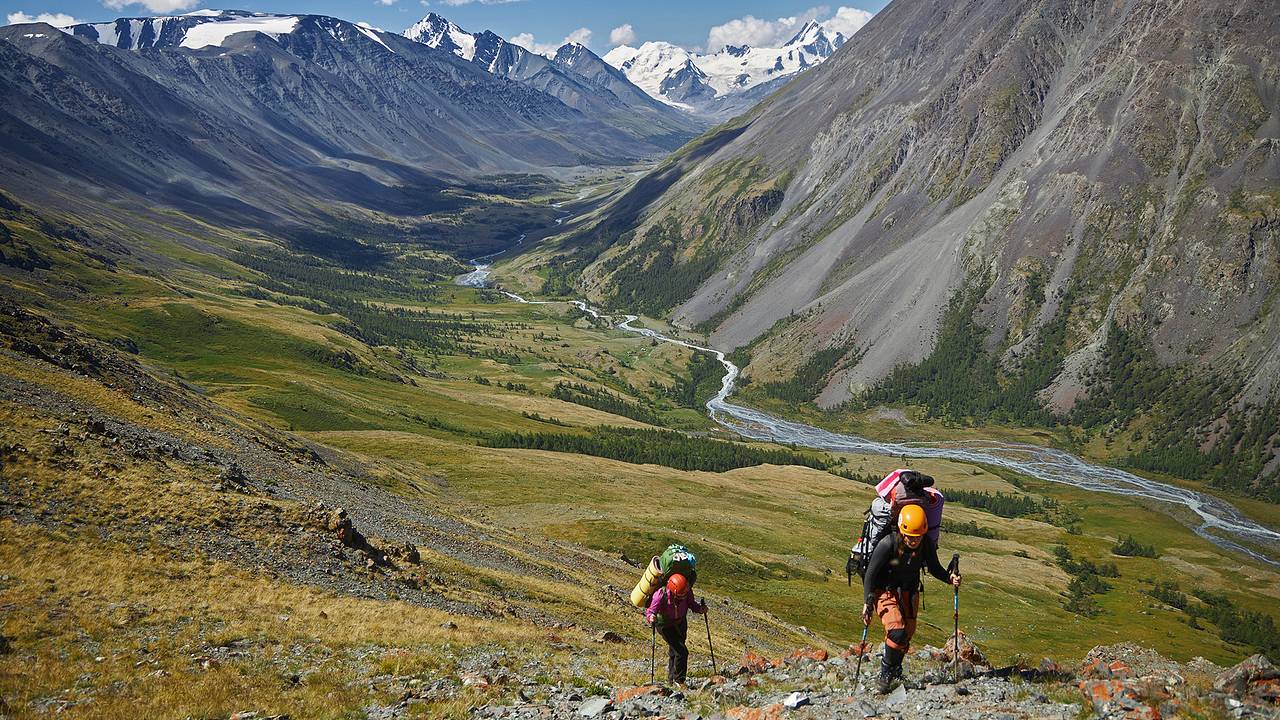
pixel 677 585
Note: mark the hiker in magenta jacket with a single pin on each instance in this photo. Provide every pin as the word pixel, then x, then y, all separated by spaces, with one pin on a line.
pixel 669 609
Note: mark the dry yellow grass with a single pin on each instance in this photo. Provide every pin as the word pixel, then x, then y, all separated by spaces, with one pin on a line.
pixel 125 631
pixel 110 402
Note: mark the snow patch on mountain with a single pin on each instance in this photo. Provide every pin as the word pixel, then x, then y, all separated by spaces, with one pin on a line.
pixel 372 34
pixel 194 30
pixel 217 32
pixel 107 34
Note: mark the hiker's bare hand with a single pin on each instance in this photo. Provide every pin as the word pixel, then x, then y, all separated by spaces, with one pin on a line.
pixel 955 580
pixel 866 614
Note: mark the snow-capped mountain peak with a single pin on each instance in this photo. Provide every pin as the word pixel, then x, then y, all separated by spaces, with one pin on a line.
pixel 683 78
pixel 440 32
pixel 810 30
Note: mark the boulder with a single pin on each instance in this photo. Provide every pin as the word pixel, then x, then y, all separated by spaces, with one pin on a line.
pixel 405 552
pixel 1116 696
pixel 968 651
pixel 756 663
pixel 595 707
pixel 795 700
pixel 1239 680
pixel 806 655
pixel 743 712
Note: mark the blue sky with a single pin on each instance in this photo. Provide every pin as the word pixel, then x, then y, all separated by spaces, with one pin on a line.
pixel 691 24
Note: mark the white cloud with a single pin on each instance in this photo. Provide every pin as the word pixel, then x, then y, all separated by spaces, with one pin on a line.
pixel 387 2
pixel 582 36
pixel 524 40
pixel 847 20
pixel 155 6
pixel 622 35
pixel 54 19
pixel 757 32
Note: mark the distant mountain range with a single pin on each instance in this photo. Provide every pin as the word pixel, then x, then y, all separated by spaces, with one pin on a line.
pixel 575 76
pixel 262 118
pixel 726 82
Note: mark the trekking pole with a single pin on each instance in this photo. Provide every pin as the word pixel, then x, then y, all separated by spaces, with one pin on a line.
pixel 653 651
pixel 862 651
pixel 955 570
pixel 714 671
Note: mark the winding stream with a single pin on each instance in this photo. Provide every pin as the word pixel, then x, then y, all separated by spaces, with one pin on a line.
pixel 1219 521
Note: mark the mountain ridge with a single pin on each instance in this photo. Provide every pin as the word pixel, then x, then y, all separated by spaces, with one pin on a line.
pixel 324 123
pixel 575 75
pixel 866 203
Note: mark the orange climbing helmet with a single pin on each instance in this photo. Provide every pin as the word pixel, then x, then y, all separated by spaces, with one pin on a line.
pixel 677 585
pixel 912 522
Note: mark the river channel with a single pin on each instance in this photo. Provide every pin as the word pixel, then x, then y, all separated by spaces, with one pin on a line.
pixel 1217 520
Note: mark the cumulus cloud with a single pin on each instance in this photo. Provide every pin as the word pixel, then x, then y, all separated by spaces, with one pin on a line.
pixel 759 32
pixel 622 35
pixel 387 2
pixel 582 36
pixel 54 19
pixel 847 21
pixel 155 6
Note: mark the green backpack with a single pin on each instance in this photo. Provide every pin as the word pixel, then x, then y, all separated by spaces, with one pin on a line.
pixel 677 559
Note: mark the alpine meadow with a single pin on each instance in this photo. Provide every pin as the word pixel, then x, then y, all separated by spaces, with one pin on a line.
pixel 915 360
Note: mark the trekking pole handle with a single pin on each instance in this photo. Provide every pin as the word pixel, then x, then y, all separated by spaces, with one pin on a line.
pixel 954 569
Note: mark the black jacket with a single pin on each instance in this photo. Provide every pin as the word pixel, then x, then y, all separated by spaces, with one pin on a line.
pixel 891 569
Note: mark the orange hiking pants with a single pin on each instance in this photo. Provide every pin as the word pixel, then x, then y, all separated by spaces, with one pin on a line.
pixel 898 610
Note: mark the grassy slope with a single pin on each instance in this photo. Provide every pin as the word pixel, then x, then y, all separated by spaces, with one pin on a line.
pixel 774 537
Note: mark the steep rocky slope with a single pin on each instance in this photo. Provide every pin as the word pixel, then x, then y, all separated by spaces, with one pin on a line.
pixel 1094 185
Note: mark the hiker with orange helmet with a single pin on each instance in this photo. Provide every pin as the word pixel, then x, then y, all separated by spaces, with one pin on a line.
pixel 668 610
pixel 891 586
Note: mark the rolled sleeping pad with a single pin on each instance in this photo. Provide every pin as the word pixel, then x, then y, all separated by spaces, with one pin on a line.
pixel 648 585
pixel 934 501
pixel 933 513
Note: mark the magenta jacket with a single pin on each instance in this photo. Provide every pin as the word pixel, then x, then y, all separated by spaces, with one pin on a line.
pixel 672 609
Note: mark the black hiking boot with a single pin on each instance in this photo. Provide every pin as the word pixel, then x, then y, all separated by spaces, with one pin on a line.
pixel 890 670
pixel 884 682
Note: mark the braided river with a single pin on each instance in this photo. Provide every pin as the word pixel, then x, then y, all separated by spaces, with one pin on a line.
pixel 1210 517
